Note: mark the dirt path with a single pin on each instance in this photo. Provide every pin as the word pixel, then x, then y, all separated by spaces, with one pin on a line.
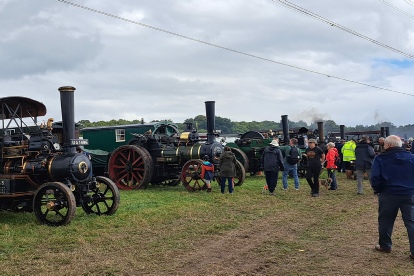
pixel 232 253
pixel 281 245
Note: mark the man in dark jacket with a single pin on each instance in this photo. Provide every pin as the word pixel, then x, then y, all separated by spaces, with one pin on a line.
pixel 364 154
pixel 228 163
pixel 314 166
pixel 392 178
pixel 272 162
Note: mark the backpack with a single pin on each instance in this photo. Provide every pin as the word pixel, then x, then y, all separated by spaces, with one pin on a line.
pixel 338 160
pixel 293 157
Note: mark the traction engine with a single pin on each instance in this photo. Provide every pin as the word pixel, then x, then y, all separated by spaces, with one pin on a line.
pixel 46 176
pixel 170 159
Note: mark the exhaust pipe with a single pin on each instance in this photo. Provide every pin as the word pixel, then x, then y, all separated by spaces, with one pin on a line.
pixel 211 119
pixel 342 131
pixel 320 131
pixel 67 104
pixel 285 128
pixel 382 133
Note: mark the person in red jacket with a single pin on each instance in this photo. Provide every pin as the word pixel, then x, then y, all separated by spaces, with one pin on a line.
pixel 207 172
pixel 330 164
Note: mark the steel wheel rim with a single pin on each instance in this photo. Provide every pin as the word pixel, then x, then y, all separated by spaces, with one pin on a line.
pixel 130 167
pixel 54 204
pixel 104 198
pixel 190 175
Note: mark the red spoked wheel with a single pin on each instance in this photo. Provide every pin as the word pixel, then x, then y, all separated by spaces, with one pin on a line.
pixel 191 175
pixel 130 167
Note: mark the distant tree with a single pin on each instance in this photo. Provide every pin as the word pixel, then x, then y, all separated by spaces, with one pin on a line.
pixel 267 125
pixel 297 124
pixel 227 126
pixel 223 124
pixel 330 126
pixel 240 127
pixel 85 123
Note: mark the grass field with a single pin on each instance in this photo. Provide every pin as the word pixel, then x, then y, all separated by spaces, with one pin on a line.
pixel 169 231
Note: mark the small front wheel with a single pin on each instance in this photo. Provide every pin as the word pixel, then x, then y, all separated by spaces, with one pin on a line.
pixel 54 204
pixel 191 175
pixel 103 199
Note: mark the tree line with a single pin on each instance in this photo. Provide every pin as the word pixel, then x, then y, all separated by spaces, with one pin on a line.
pixel 226 126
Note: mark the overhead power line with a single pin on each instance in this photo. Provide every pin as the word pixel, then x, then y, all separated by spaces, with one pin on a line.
pixel 410 2
pixel 400 10
pixel 226 48
pixel 333 24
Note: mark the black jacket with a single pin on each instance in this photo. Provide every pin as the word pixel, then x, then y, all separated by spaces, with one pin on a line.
pixel 364 155
pixel 272 159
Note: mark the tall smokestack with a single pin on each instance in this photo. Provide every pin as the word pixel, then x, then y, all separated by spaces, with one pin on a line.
pixel 342 131
pixel 285 128
pixel 320 131
pixel 211 119
pixel 387 131
pixel 67 104
pixel 383 132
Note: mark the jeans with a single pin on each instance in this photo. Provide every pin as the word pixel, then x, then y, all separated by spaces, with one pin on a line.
pixel 271 180
pixel 360 177
pixel 290 168
pixel 332 175
pixel 223 184
pixel 387 212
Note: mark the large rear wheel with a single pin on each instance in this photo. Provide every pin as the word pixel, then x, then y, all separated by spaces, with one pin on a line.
pixel 130 167
pixel 54 204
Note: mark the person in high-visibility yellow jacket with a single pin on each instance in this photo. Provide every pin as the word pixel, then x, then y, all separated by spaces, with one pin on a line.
pixel 348 153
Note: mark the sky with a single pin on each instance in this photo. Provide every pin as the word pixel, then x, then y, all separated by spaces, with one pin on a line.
pixel 351 62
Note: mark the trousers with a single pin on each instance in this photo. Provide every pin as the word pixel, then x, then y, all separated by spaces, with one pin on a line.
pixel 388 206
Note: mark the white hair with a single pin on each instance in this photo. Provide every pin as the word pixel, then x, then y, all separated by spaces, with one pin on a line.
pixel 393 141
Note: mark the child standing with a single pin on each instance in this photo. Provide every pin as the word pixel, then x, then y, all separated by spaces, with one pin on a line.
pixel 207 172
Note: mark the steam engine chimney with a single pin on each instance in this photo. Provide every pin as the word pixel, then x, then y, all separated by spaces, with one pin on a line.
pixel 211 119
pixel 68 116
pixel 285 127
pixel 342 131
pixel 320 131
pixel 383 134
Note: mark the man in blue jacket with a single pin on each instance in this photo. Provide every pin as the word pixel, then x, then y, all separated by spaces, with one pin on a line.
pixel 392 178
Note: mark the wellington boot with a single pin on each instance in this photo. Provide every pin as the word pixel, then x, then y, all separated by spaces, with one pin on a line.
pixel 349 174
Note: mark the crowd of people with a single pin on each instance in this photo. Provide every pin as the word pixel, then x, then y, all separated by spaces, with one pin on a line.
pixel 388 166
